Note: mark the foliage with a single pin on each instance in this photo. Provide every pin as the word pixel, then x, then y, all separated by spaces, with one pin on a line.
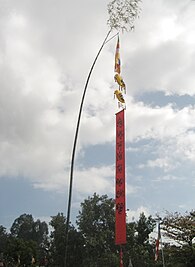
pixel 122 14
pixel 96 223
pixel 92 243
pixel 3 238
pixel 57 248
pixel 20 251
pixel 26 228
pixel 144 228
pixel 180 228
pixel 27 239
pixel 178 256
pixel 23 227
pixel 58 238
pixel 138 247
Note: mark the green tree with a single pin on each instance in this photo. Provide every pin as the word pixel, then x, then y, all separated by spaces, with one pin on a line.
pixel 40 232
pixel 57 249
pixel 181 229
pixel 25 228
pixel 177 256
pixel 20 251
pixel 96 223
pixel 144 228
pixel 3 238
pixel 138 247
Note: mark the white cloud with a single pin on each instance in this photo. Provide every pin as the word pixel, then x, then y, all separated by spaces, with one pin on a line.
pixel 163 163
pixel 130 189
pixel 168 177
pixel 159 122
pixel 86 181
pixel 100 180
pixel 133 215
pixel 185 145
pixel 160 56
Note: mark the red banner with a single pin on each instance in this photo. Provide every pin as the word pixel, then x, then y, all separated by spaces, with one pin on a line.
pixel 120 211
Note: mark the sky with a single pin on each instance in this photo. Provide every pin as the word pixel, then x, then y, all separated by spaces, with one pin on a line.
pixel 46 50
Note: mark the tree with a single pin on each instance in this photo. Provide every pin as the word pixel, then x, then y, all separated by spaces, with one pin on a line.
pixel 26 229
pixel 40 236
pixel 23 227
pixel 96 223
pixel 181 229
pixel 40 232
pixel 20 251
pixel 3 238
pixel 138 247
pixel 57 249
pixel 144 228
pixel 58 238
pixel 177 256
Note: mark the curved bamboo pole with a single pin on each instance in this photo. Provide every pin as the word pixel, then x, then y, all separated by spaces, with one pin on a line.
pixel 74 149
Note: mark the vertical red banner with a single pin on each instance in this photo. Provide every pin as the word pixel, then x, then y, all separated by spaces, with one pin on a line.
pixel 120 210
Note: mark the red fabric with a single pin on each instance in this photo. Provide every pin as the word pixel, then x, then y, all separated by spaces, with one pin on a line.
pixel 120 210
pixel 157 243
pixel 117 66
pixel 157 250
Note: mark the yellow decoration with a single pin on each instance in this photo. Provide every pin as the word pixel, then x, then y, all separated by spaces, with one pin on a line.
pixel 119 80
pixel 119 96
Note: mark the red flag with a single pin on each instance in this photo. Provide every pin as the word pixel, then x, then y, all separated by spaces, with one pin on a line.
pixel 120 209
pixel 117 66
pixel 157 243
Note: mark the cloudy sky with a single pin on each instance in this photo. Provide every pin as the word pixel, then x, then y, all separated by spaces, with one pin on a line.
pixel 46 50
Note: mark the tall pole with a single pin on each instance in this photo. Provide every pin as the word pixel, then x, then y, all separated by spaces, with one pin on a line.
pixel 74 149
pixel 163 258
pixel 160 240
